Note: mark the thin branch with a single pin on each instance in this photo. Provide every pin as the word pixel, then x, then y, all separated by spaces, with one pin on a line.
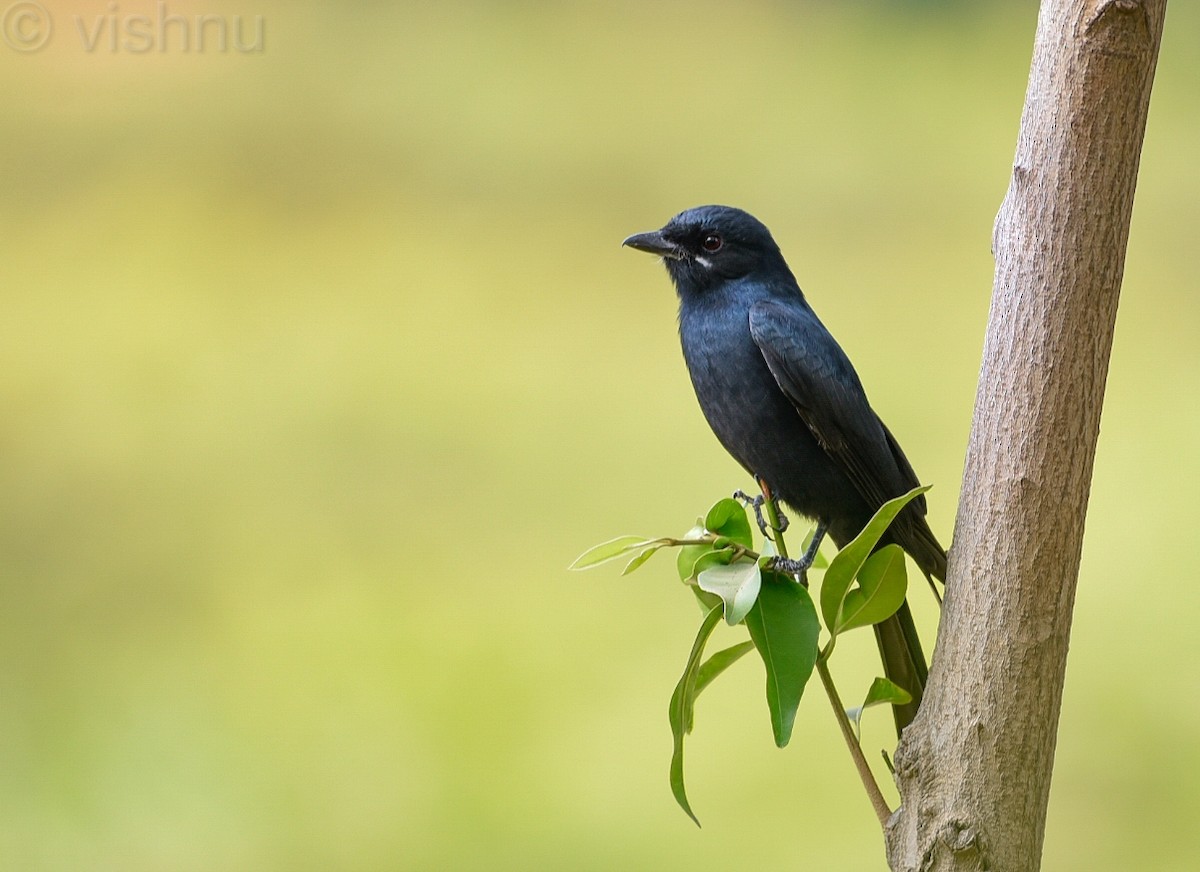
pixel 874 794
pixel 882 810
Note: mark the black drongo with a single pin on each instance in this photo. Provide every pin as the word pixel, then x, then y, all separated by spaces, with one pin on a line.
pixel 784 400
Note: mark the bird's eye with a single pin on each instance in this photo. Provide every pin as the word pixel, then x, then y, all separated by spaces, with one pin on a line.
pixel 712 242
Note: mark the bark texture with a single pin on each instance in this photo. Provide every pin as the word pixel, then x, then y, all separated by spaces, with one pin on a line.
pixel 974 768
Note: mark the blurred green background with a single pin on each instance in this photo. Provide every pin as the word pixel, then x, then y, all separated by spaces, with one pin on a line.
pixel 319 363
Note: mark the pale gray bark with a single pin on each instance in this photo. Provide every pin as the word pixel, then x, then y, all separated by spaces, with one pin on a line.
pixel 974 768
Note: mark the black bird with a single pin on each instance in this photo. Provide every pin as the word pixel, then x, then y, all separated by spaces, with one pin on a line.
pixel 784 400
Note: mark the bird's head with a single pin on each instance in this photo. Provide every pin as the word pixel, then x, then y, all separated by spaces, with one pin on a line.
pixel 709 245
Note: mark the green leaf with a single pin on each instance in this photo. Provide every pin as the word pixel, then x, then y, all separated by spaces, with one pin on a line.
pixel 689 554
pixel 727 521
pixel 882 692
pixel 728 518
pixel 610 550
pixel 719 662
pixel 712 557
pixel 845 566
pixel 722 557
pixel 645 555
pixel 681 712
pixel 882 584
pixel 708 601
pixel 737 584
pixel 783 624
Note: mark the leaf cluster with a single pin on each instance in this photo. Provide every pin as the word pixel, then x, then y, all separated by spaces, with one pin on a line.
pixel 862 585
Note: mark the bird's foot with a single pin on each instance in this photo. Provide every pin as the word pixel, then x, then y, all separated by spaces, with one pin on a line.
pixel 757 503
pixel 799 568
pixel 781 520
pixel 789 566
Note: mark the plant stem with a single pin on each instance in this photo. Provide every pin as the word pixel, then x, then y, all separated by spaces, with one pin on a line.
pixel 882 811
pixel 773 519
pixel 739 551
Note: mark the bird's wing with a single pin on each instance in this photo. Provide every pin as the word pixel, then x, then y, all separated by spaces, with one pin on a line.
pixel 906 471
pixel 815 374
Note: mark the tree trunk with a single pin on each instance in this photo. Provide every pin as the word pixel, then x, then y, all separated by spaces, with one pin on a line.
pixel 974 768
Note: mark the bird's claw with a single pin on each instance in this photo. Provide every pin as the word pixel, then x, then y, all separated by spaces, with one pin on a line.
pixel 788 566
pixel 756 503
pixel 799 568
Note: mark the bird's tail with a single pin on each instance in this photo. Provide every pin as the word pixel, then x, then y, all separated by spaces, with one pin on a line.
pixel 903 661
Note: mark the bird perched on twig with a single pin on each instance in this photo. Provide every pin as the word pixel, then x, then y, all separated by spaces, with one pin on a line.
pixel 784 400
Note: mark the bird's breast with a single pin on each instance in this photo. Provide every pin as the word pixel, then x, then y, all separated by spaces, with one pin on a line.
pixel 737 392
pixel 754 420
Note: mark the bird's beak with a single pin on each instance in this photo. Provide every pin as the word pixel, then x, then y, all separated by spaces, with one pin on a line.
pixel 655 243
